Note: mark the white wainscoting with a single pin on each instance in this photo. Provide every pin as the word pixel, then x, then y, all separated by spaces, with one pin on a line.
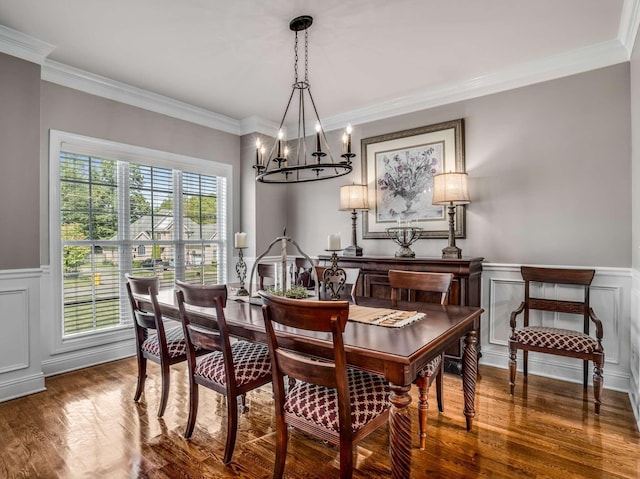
pixel 20 360
pixel 60 356
pixel 634 334
pixel 503 291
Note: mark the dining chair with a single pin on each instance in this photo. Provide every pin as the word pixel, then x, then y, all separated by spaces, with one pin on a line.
pixel 348 291
pixel 163 346
pixel 435 286
pixel 229 369
pixel 266 271
pixel 560 338
pixel 328 400
pixel 303 273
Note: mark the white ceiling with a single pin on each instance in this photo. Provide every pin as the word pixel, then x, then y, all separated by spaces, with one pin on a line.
pixel 367 57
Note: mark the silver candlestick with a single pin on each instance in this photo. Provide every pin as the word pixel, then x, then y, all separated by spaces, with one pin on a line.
pixel 241 270
pixel 405 236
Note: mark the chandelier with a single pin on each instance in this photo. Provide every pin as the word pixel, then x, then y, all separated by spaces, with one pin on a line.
pixel 304 164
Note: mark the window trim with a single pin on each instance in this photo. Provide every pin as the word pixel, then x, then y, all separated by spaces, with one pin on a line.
pixel 61 140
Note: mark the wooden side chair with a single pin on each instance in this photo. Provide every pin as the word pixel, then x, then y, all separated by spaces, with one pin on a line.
pixel 163 346
pixel 328 400
pixel 404 285
pixel 348 292
pixel 266 270
pixel 553 340
pixel 229 369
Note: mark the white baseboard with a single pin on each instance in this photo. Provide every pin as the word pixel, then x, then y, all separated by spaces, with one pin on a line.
pixel 545 365
pixel 634 397
pixel 21 386
pixel 83 358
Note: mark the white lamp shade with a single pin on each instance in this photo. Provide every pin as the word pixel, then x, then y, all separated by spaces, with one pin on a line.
pixel 450 188
pixel 354 197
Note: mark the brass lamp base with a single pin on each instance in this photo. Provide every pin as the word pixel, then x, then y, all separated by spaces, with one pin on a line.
pixel 451 252
pixel 353 250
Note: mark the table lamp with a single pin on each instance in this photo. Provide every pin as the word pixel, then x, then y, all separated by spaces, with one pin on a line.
pixel 451 189
pixel 353 197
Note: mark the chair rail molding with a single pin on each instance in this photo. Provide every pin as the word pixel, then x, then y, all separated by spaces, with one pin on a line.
pixel 503 291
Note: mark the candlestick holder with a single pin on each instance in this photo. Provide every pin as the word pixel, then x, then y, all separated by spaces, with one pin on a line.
pixel 346 157
pixel 405 236
pixel 334 277
pixel 241 270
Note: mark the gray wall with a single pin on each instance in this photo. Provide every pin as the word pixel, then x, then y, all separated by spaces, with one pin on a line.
pixel 550 176
pixel 264 207
pixel 635 153
pixel 634 388
pixel 19 162
pixel 76 112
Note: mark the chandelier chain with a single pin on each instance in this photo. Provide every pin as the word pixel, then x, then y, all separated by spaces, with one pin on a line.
pixel 306 57
pixel 295 59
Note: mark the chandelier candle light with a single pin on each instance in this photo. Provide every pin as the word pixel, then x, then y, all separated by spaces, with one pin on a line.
pixel 304 164
pixel 353 197
pixel 451 189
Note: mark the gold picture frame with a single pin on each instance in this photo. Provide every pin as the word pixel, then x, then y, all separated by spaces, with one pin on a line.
pixel 398 169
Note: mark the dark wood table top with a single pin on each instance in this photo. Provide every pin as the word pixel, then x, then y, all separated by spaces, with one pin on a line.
pixel 397 353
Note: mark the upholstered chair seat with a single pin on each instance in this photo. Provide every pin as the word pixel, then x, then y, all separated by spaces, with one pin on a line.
pixel 318 405
pixel 176 345
pixel 250 361
pixel 555 338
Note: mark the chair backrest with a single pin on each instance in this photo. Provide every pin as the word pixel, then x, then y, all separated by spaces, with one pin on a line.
pixel 438 284
pixel 266 270
pixel 213 336
pixel 348 292
pixel 573 277
pixel 303 273
pixel 144 286
pixel 320 316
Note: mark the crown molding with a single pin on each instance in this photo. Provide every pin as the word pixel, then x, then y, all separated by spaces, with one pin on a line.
pixel 255 124
pixel 629 23
pixel 77 79
pixel 556 66
pixel 572 62
pixel 21 45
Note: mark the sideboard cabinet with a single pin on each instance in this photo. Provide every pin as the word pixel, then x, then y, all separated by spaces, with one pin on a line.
pixel 374 282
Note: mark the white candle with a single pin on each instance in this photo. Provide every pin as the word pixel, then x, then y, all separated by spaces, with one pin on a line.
pixel 334 242
pixel 240 240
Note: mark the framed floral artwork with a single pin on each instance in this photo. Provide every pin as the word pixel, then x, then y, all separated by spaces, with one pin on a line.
pixel 398 169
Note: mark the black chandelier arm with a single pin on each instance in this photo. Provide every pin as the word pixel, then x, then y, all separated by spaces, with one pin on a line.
pixel 267 175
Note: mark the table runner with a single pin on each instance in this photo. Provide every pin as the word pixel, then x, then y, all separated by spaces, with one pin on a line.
pixel 390 318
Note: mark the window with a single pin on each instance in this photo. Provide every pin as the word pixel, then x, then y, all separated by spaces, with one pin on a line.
pixel 124 210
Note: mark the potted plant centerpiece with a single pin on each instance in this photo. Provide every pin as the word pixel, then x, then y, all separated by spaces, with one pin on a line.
pixel 294 292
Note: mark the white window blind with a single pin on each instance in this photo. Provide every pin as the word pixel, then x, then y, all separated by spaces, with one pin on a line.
pixel 118 216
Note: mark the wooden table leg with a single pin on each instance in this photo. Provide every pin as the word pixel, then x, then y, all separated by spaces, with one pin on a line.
pixel 400 431
pixel 469 376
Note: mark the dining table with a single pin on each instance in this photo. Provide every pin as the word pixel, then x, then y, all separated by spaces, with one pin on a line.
pixel 397 353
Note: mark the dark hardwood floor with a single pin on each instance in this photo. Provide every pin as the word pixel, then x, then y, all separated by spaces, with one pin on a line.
pixel 86 425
